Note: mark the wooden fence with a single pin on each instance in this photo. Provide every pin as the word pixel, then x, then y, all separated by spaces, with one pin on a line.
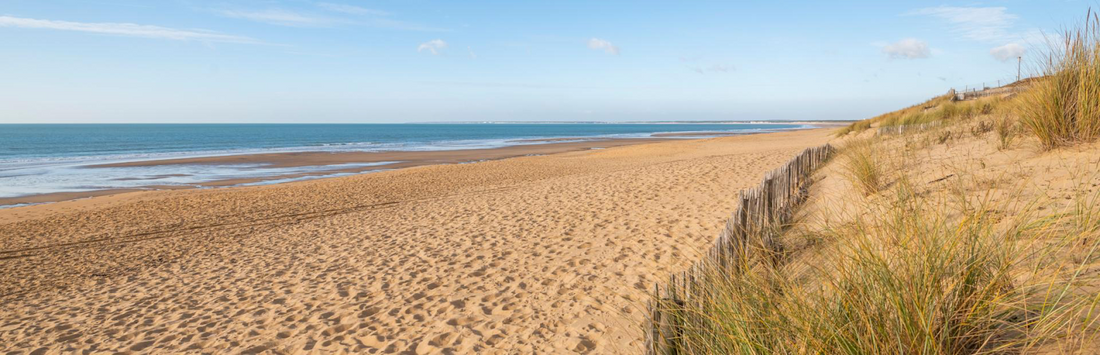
pixel 907 128
pixel 974 94
pixel 760 216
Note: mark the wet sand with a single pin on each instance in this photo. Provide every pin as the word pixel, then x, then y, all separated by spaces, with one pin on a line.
pixel 699 134
pixel 299 159
pixel 549 254
pixel 413 158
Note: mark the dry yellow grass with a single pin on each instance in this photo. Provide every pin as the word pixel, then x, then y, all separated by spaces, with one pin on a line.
pixel 1063 107
pixel 862 166
pixel 971 248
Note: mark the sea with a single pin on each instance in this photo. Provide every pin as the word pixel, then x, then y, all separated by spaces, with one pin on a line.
pixel 50 158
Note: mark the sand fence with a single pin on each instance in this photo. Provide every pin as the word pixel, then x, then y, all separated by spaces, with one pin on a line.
pixel 908 128
pixel 761 214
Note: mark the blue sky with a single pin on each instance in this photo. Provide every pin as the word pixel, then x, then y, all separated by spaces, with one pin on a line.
pixel 414 60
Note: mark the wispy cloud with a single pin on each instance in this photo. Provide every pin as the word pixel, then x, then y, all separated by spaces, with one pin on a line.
pixel 351 9
pixel 694 63
pixel 599 44
pixel 909 48
pixel 345 15
pixel 124 29
pixel 977 23
pixel 1007 52
pixel 713 68
pixel 434 46
pixel 282 17
pixel 377 18
pixel 1036 38
pixel 990 24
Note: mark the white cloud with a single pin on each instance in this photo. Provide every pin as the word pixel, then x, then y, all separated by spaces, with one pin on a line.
pixel 434 46
pixel 909 48
pixel 599 44
pixel 353 10
pixel 281 17
pixel 977 23
pixel 472 54
pixel 1007 52
pixel 124 29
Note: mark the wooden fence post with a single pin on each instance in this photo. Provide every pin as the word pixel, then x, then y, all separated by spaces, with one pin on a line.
pixel 760 213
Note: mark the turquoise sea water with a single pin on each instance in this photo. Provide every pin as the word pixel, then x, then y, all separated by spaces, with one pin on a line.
pixel 36 159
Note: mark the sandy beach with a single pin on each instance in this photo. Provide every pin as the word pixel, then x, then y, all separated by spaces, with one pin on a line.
pixel 551 253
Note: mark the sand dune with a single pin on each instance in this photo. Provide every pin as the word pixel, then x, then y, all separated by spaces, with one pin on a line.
pixel 548 254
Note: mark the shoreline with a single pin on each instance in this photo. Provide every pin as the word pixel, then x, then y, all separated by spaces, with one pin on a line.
pixel 392 159
pixel 385 160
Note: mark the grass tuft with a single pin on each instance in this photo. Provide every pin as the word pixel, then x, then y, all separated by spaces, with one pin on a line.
pixel 981 128
pixel 1063 107
pixel 862 167
pixel 1006 132
pixel 855 127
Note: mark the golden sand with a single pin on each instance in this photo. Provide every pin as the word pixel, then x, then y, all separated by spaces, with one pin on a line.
pixel 549 254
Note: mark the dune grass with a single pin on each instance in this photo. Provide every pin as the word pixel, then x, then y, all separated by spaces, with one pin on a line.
pixel 855 127
pixel 912 114
pixel 1005 127
pixel 937 110
pixel 943 111
pixel 1063 108
pixel 913 269
pixel 913 273
pixel 862 125
pixel 862 166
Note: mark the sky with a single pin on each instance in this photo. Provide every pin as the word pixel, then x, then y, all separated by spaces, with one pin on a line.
pixel 358 61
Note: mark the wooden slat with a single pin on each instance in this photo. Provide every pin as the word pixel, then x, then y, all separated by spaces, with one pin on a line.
pixel 760 212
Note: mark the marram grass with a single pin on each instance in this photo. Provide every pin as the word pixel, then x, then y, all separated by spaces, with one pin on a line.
pixel 912 274
pixel 862 166
pixel 1063 107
